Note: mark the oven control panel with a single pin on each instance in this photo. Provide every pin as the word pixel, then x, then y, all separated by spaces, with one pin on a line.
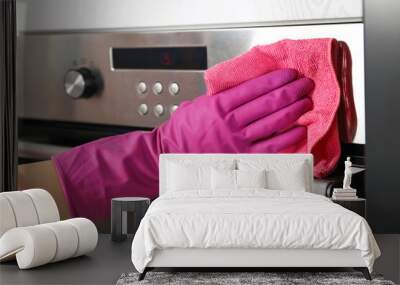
pixel 157 89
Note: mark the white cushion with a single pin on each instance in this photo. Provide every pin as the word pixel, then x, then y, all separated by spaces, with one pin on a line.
pixel 291 175
pixel 26 208
pixel 187 175
pixel 251 178
pixel 23 208
pixel 46 207
pixel 67 238
pixel 87 233
pixel 32 246
pixel 7 218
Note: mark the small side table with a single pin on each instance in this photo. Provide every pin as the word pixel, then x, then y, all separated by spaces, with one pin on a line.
pixel 119 208
pixel 358 206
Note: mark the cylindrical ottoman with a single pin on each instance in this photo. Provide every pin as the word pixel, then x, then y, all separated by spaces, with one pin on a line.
pixel 119 208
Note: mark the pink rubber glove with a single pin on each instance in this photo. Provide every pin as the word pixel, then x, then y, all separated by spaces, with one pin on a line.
pixel 258 118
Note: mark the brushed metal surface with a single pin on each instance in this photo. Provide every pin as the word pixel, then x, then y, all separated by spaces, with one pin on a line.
pixel 48 56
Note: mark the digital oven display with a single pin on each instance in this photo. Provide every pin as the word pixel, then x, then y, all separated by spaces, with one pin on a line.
pixel 178 58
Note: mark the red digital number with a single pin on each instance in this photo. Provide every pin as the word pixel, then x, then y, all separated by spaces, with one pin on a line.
pixel 166 59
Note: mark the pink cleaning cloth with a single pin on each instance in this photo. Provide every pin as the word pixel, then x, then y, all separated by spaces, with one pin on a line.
pixel 312 58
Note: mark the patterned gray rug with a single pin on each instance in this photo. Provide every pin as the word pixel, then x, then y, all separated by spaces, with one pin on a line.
pixel 243 278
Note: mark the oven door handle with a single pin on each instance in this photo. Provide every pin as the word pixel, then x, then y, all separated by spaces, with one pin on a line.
pixel 39 151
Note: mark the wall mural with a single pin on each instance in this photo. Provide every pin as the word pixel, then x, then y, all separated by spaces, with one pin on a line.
pixel 286 97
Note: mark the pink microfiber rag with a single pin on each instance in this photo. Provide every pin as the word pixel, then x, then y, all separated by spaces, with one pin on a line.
pixel 313 59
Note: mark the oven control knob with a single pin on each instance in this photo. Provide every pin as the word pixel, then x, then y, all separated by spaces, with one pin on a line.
pixel 173 89
pixel 80 83
pixel 143 109
pixel 157 88
pixel 173 109
pixel 158 110
pixel 141 87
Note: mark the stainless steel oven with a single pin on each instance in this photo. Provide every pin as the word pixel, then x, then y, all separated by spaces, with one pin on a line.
pixel 79 86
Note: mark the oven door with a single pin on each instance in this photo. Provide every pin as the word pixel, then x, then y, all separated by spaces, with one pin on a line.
pixel 40 140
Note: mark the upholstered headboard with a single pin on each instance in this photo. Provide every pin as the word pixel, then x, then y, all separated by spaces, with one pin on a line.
pixel 237 159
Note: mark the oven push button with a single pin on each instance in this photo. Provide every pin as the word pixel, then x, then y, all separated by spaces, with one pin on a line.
pixel 173 89
pixel 141 88
pixel 143 109
pixel 157 88
pixel 158 110
pixel 173 109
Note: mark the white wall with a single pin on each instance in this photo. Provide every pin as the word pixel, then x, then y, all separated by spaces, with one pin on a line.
pixel 42 15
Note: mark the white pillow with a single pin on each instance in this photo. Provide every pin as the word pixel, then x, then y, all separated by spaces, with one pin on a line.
pixel 223 179
pixel 192 174
pixel 235 179
pixel 291 174
pixel 251 178
pixel 181 177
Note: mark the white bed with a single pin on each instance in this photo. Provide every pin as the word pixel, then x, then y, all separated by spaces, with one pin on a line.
pixel 249 227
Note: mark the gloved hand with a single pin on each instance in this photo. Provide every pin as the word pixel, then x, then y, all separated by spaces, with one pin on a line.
pixel 255 117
